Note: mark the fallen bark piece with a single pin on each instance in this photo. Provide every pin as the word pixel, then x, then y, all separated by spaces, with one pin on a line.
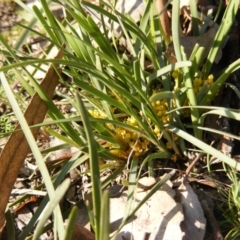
pixel 17 148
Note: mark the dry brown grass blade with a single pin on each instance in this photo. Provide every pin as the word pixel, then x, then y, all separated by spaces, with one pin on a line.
pixel 17 148
pixel 164 19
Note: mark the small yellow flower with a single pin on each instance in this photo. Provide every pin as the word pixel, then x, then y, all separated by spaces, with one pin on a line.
pixel 132 121
pixel 127 136
pixel 210 79
pixel 162 107
pixel 169 145
pixel 174 157
pixel 175 137
pixel 165 104
pixel 156 130
pixel 165 119
pixel 197 82
pixel 176 89
pixel 205 82
pixel 175 74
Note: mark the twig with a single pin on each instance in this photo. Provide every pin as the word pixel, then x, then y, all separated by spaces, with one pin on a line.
pixel 193 163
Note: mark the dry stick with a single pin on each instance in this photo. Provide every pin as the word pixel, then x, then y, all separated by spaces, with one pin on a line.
pixel 164 19
pixel 193 164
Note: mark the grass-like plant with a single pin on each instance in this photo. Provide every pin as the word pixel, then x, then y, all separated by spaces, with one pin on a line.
pixel 231 215
pixel 124 112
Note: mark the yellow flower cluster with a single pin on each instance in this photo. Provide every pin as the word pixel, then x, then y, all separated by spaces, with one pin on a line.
pixel 132 141
pixel 198 83
pixel 96 114
pixel 161 107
